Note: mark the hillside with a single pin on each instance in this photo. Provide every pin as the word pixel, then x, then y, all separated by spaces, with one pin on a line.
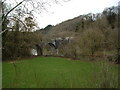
pixel 89 34
pixel 77 25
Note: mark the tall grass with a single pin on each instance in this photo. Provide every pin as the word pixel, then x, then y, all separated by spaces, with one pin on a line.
pixel 106 76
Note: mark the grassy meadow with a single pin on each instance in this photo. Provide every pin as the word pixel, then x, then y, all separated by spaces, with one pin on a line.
pixel 54 72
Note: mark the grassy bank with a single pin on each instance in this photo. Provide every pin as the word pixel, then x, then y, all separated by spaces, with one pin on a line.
pixel 53 72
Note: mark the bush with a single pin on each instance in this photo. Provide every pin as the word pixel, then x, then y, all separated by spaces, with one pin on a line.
pixel 91 41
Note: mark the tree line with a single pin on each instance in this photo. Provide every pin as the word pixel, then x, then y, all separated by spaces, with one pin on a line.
pixel 92 33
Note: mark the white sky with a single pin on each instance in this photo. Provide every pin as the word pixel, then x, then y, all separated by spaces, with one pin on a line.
pixel 58 13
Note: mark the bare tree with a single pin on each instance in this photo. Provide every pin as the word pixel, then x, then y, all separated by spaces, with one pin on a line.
pixel 28 6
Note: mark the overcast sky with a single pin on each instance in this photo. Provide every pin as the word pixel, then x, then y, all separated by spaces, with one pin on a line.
pixel 58 13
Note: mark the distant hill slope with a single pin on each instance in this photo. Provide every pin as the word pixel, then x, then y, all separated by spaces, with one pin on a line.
pixel 82 22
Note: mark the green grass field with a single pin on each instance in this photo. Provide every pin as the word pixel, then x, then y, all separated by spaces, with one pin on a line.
pixel 53 72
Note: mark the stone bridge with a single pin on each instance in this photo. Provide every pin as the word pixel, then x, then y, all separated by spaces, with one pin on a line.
pixel 52 46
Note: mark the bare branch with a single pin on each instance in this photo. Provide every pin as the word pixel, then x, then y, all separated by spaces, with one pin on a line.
pixel 3 1
pixel 15 19
pixel 39 5
pixel 12 10
pixel 3 31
